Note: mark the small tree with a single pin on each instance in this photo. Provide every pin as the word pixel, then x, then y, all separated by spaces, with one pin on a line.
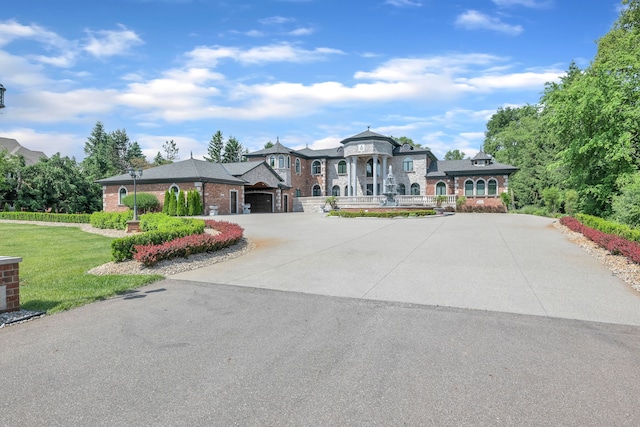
pixel 504 197
pixel 167 201
pixel 570 202
pixel 145 202
pixel 626 206
pixel 181 207
pixel 194 205
pixel 551 198
pixel 173 204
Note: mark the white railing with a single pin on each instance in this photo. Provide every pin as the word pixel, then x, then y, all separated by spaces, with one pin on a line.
pixel 317 202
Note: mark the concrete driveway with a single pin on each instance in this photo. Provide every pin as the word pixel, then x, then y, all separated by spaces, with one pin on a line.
pixel 197 352
pixel 506 263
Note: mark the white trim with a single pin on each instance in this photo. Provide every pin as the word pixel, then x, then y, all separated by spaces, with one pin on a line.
pixel 122 187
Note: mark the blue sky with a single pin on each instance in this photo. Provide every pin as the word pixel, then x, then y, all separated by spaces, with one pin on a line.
pixel 309 72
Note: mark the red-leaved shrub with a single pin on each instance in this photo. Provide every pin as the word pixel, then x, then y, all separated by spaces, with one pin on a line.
pixel 611 242
pixel 229 234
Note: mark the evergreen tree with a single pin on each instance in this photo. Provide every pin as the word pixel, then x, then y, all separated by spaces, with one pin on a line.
pixel 165 205
pixel 181 206
pixel 216 145
pixel 233 151
pixel 173 204
pixel 158 160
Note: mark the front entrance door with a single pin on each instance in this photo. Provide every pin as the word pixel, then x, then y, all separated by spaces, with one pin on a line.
pixel 234 202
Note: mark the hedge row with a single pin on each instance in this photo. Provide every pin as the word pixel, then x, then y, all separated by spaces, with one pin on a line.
pixel 151 254
pixel 613 243
pixel 123 248
pixel 111 220
pixel 610 227
pixel 46 217
pixel 482 209
pixel 390 214
pixel 162 222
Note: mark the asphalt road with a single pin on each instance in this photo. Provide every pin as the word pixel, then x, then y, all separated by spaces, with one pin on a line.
pixel 200 353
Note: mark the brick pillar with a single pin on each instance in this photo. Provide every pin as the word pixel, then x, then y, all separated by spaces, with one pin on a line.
pixel 9 284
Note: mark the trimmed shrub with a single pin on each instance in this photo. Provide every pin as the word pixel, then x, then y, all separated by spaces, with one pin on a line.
pixel 111 220
pixel 165 205
pixel 610 227
pixel 46 217
pixel 173 204
pixel 146 202
pixel 611 242
pixel 181 207
pixel 162 222
pixel 229 234
pixel 194 204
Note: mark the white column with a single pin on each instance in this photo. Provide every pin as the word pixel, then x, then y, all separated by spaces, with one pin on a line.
pixel 384 170
pixel 348 177
pixel 375 175
pixel 354 175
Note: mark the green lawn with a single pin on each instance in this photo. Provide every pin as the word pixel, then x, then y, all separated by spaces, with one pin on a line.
pixel 54 264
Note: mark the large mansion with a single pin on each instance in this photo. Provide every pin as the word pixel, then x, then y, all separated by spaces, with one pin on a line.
pixel 280 179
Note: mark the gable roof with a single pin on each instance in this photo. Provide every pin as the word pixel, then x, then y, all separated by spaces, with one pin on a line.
pixel 277 148
pixel 242 168
pixel 14 148
pixel 183 171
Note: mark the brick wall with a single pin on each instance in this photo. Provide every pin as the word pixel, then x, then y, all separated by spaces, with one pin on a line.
pixel 9 284
pixel 215 194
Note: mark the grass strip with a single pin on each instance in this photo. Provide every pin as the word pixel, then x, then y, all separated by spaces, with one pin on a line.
pixel 55 261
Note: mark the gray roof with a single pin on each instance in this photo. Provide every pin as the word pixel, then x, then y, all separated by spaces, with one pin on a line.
pixel 482 156
pixel 185 170
pixel 443 168
pixel 277 148
pixel 367 135
pixel 239 169
pixel 14 148
pixel 327 152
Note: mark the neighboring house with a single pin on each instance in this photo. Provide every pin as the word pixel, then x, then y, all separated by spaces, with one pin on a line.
pixel 13 147
pixel 224 187
pixel 278 179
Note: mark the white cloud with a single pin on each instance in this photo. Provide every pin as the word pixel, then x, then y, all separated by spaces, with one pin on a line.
pixel 302 31
pixel 275 20
pixel 403 3
pixel 106 43
pixel 474 20
pixel 282 52
pixel 525 3
pixel 63 143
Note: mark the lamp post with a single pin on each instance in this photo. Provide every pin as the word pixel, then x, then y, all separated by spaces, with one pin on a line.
pixel 2 91
pixel 135 174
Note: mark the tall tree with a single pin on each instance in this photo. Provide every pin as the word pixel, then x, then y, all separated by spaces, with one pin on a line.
pixel 59 184
pixel 135 157
pixel 170 150
pixel 233 151
pixel 10 172
pixel 596 115
pixel 216 145
pixel 454 155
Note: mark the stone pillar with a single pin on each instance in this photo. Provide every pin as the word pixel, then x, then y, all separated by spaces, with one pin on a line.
pixel 9 284
pixel 384 171
pixel 348 177
pixel 375 175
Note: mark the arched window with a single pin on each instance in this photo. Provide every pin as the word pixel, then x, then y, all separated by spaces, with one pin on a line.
pixel 492 187
pixel 468 188
pixel 441 189
pixel 281 161
pixel 174 190
pixel 346 190
pixel 407 164
pixel 316 191
pixel 415 189
pixel 122 194
pixel 335 190
pixel 298 166
pixel 342 167
pixel 480 187
pixel 401 189
pixel 272 161
pixel 316 167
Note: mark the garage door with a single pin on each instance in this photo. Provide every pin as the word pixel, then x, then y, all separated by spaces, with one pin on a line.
pixel 260 202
